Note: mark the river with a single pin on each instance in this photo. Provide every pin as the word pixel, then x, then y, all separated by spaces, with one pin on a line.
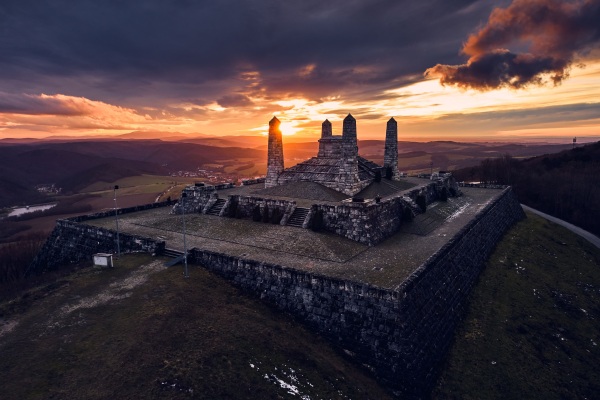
pixel 24 210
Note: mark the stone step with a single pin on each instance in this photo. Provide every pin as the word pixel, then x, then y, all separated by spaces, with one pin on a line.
pixel 217 207
pixel 172 253
pixel 416 210
pixel 298 216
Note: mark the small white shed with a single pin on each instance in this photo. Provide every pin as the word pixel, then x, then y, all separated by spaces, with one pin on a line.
pixel 103 259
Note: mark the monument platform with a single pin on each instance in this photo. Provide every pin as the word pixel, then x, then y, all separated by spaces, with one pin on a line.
pixel 386 265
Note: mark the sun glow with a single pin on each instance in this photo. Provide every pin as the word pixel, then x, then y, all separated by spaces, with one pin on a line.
pixel 288 128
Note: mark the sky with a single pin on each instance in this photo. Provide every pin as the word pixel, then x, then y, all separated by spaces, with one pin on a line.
pixel 445 70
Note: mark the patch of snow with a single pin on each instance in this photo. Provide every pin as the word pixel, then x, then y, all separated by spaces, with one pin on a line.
pixel 7 326
pixel 458 212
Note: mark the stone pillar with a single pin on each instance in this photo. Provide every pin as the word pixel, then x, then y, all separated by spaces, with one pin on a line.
pixel 390 158
pixel 349 130
pixel 325 145
pixel 349 166
pixel 275 154
pixel 326 130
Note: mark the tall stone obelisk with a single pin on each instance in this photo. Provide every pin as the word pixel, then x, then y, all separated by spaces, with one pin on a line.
pixel 348 180
pixel 275 153
pixel 390 157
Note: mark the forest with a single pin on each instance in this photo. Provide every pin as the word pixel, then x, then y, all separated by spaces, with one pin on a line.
pixel 565 185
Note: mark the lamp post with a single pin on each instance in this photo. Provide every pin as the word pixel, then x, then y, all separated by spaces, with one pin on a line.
pixel 185 263
pixel 117 221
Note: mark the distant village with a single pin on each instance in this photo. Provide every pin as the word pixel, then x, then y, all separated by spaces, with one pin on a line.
pixel 209 176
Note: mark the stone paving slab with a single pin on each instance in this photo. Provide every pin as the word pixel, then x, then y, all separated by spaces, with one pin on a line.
pixel 386 265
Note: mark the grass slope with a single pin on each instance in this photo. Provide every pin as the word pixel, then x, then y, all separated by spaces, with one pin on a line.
pixel 533 324
pixel 145 332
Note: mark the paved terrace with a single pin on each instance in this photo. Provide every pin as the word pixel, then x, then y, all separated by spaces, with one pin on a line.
pixel 385 265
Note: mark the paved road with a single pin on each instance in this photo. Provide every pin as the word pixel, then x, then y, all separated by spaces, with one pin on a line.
pixel 590 237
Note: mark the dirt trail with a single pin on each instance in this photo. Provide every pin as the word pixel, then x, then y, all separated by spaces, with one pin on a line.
pixel 109 294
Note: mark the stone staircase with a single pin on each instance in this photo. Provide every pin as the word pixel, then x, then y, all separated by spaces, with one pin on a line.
pixel 298 216
pixel 172 253
pixel 217 207
pixel 175 255
pixel 416 210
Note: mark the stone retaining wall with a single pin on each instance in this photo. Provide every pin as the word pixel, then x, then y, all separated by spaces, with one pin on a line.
pixel 248 182
pixel 120 211
pixel 196 200
pixel 72 242
pixel 243 206
pixel 199 199
pixel 401 334
pixel 371 222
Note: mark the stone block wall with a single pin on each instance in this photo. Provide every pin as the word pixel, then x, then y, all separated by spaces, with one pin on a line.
pixel 244 206
pixel 196 200
pixel 248 182
pixel 401 334
pixel 435 295
pixel 370 222
pixel 72 242
pixel 120 211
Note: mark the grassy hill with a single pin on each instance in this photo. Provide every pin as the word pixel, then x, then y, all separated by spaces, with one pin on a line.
pixel 142 331
pixel 565 184
pixel 532 330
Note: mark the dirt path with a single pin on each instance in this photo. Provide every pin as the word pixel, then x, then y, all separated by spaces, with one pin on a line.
pixel 109 294
pixel 590 237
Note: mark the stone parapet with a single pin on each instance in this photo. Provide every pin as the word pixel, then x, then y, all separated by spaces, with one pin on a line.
pixel 120 211
pixel 72 242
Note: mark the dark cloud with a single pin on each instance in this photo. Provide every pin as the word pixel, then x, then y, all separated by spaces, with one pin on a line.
pixel 116 51
pixel 39 105
pixel 532 116
pixel 551 33
pixel 234 100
